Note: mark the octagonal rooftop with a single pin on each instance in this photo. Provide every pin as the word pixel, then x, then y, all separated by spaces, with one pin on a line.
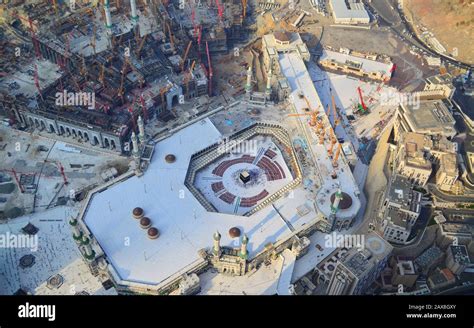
pixel 185 225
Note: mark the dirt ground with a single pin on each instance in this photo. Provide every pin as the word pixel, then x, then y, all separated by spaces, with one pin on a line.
pixel 451 21
pixel 410 69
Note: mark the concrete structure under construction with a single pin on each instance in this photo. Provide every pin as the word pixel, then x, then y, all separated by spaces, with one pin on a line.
pixel 128 64
pixel 338 195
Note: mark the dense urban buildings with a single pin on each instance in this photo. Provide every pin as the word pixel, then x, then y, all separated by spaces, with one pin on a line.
pixel 232 147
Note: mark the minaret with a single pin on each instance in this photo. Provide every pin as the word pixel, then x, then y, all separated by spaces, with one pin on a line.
pixel 217 244
pixel 243 247
pixel 76 232
pixel 135 151
pixel 337 200
pixel 90 254
pixel 268 90
pixel 133 7
pixel 141 131
pixel 248 86
pixel 108 17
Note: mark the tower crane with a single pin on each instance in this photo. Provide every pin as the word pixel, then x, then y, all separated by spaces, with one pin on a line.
pixel 102 75
pixel 188 76
pixel 210 69
pixel 170 35
pixel 122 79
pixel 336 157
pixel 186 55
pixel 314 117
pixel 36 78
pixel 220 10
pixel 60 169
pixel 333 142
pixel 362 104
pixel 145 110
pixel 93 40
pixel 140 47
pixel 162 94
pixel 336 117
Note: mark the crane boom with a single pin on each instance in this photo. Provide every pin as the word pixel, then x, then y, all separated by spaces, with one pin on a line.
pixel 186 54
pixel 142 43
pixel 336 157
pixel 210 69
pixel 361 99
pixel 336 118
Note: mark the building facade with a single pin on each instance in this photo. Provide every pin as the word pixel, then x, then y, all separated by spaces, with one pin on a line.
pixel 457 259
pixel 401 209
pixel 447 173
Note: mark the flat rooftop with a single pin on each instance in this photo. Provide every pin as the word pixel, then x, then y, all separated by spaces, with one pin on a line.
pixel 445 79
pixel 364 64
pixel 349 9
pixel 402 193
pixel 460 254
pixel 429 116
pixel 184 224
pixel 360 261
pixel 398 218
pixel 294 69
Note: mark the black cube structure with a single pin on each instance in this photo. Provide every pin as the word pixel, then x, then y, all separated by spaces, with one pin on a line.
pixel 244 176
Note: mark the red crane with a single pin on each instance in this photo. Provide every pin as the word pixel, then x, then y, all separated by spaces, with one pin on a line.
pixel 199 36
pixel 361 99
pixel 210 69
pixel 393 68
pixel 61 170
pixel 220 10
pixel 15 175
pixel 130 110
pixel 37 82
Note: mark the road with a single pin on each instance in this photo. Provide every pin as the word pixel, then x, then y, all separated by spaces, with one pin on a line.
pixel 376 182
pixel 405 31
pixel 448 198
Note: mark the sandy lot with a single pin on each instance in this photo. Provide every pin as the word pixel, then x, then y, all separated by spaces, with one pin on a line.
pixel 451 21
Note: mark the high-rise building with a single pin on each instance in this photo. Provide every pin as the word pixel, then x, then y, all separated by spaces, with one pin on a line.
pixel 401 208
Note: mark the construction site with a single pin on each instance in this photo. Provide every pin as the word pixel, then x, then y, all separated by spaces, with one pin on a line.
pixel 136 59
